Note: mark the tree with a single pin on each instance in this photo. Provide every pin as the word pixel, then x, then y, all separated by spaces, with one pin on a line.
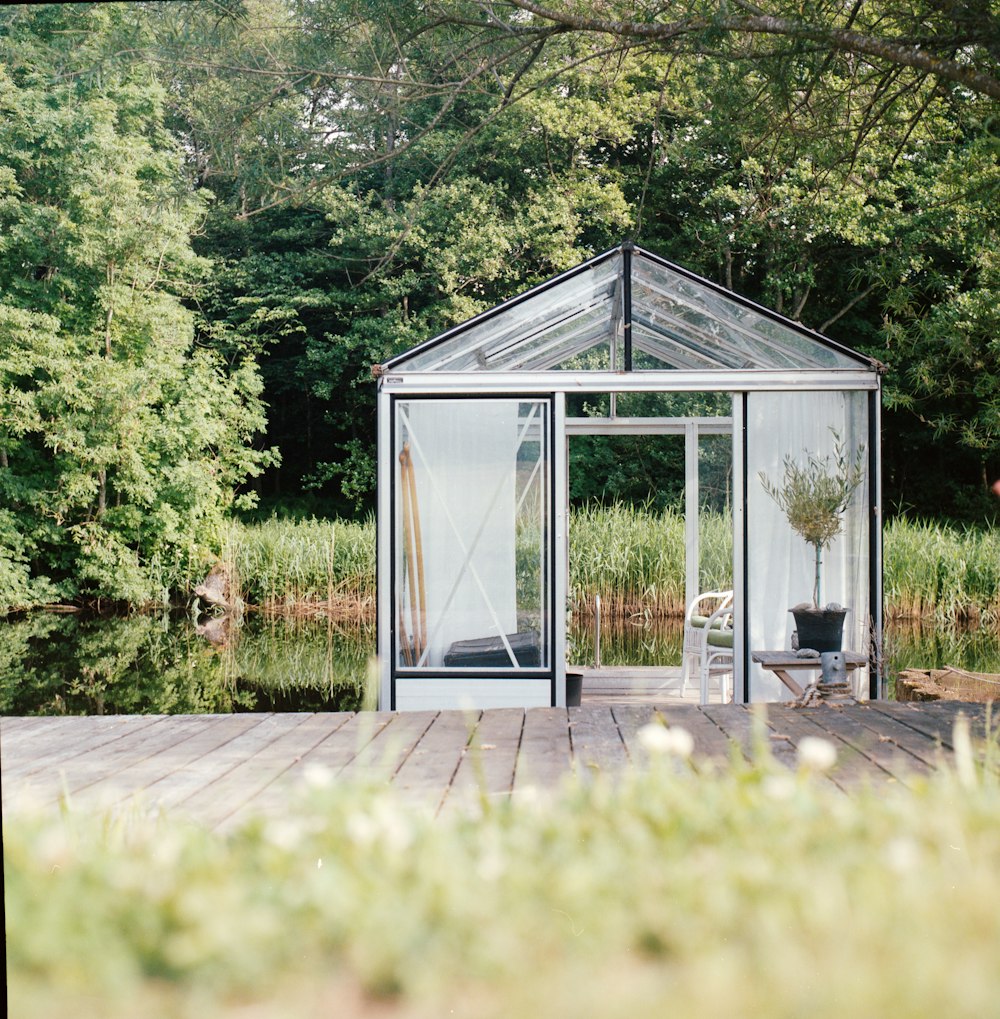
pixel 382 170
pixel 953 41
pixel 122 440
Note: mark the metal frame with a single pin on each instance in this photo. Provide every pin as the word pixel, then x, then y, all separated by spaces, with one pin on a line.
pixel 876 677
pixel 741 538
pixel 668 381
pixel 532 387
pixel 627 250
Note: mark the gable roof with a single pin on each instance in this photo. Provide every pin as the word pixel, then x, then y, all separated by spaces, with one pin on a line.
pixel 627 309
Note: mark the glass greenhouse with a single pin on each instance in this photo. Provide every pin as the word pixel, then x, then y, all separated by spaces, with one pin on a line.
pixel 473 472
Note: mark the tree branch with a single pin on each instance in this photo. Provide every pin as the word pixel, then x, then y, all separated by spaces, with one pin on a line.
pixel 919 53
pixel 846 308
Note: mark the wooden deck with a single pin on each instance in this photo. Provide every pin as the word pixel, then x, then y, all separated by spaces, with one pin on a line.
pixel 220 769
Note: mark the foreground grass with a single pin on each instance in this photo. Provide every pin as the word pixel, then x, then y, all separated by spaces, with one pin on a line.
pixel 748 892
pixel 632 557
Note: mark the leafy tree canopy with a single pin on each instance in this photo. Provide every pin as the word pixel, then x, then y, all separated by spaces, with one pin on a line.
pixel 121 437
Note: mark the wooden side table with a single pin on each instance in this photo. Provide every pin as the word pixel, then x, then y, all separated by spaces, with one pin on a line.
pixel 781 663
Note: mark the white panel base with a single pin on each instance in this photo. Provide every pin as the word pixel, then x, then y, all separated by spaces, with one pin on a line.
pixel 465 694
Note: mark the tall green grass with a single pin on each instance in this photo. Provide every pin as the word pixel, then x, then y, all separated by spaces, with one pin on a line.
pixel 934 570
pixel 283 564
pixel 754 891
pixel 631 556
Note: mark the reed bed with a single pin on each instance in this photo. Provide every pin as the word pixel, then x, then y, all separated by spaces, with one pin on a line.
pixel 933 570
pixel 632 556
pixel 281 564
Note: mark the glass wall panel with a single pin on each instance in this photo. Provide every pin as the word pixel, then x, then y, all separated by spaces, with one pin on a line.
pixel 715 512
pixel 471 557
pixel 780 563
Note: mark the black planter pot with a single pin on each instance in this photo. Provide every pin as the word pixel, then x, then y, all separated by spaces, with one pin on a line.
pixel 574 689
pixel 820 629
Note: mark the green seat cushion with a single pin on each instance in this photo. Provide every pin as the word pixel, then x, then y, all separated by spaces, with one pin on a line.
pixel 720 638
pixel 700 621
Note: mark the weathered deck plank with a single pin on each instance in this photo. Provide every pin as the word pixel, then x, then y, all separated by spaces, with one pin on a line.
pixel 109 779
pixel 597 743
pixel 736 726
pixel 876 746
pixel 326 749
pixel 919 732
pixel 630 718
pixel 936 719
pixel 222 769
pixel 428 771
pixel 546 753
pixel 97 776
pixel 74 741
pixel 853 767
pixel 231 794
pixel 488 763
pixel 38 728
pixel 345 742
pixel 710 742
pixel 234 741
pixel 382 756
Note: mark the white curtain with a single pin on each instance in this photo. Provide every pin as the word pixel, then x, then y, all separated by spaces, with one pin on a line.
pixel 780 564
pixel 464 456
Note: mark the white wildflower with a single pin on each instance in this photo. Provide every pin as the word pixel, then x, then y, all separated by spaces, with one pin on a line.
pixel 779 787
pixel 284 833
pixel 361 829
pixel 491 866
pixel 316 776
pixel 902 855
pixel 673 741
pixel 965 761
pixel 816 754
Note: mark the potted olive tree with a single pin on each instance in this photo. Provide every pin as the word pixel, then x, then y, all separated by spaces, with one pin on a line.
pixel 814 496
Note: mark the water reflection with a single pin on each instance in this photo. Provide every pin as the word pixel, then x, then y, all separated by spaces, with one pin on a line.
pixel 165 664
pixel 917 644
pixel 633 641
pixel 909 644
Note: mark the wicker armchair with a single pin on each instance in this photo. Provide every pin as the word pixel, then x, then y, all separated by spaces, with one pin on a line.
pixel 708 642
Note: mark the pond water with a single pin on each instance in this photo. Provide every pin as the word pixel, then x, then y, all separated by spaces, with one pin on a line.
pixel 170 664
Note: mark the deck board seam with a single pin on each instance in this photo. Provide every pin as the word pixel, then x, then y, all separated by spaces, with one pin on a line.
pixel 446 792
pixel 55 759
pixel 217 778
pixel 901 747
pixel 287 768
pixel 359 747
pixel 214 749
pixel 935 736
pixel 416 743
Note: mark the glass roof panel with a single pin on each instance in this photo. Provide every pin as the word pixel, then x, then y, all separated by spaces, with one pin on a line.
pixel 688 313
pixel 575 323
pixel 538 331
